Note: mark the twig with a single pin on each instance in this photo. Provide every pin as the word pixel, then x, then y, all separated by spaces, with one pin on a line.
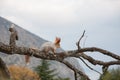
pixel 74 69
pixel 104 69
pixel 78 43
pixel 75 75
pixel 89 66
pixel 84 41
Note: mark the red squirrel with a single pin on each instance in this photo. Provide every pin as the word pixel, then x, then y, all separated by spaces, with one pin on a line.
pixel 49 47
pixel 46 47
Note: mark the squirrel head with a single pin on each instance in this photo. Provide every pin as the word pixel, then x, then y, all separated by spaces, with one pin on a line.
pixel 11 28
pixel 57 42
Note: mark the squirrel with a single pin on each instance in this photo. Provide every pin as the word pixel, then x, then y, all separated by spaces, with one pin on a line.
pixel 47 47
pixel 13 37
pixel 50 47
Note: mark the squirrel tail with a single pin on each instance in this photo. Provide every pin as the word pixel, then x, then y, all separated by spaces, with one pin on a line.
pixel 27 59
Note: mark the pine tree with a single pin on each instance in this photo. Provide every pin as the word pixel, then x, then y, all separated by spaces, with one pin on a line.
pixel 113 74
pixel 44 72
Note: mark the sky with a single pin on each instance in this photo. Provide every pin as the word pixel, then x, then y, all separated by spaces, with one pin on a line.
pixel 68 19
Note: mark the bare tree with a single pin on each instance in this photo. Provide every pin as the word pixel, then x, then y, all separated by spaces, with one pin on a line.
pixel 78 53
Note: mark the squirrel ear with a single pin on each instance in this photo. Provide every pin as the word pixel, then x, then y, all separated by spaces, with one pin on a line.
pixel 57 40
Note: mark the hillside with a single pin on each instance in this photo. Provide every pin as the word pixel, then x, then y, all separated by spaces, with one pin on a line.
pixel 28 39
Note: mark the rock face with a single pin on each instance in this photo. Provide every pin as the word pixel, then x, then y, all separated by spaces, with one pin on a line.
pixel 28 39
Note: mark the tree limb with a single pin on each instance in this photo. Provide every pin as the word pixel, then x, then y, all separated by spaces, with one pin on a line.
pixel 89 66
pixel 93 49
pixel 75 75
pixel 74 69
pixel 78 43
pixel 74 53
pixel 38 54
pixel 105 52
pixel 98 62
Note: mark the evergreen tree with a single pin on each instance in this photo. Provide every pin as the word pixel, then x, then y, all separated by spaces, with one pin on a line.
pixel 113 74
pixel 82 78
pixel 44 72
pixel 106 76
pixel 59 78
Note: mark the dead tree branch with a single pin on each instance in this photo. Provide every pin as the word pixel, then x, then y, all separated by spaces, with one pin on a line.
pixel 98 62
pixel 75 70
pixel 38 54
pixel 105 52
pixel 89 66
pixel 73 53
pixel 75 75
pixel 78 43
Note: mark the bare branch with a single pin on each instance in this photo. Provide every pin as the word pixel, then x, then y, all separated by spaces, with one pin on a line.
pixel 75 75
pixel 38 54
pixel 73 53
pixel 89 66
pixel 78 43
pixel 84 41
pixel 75 70
pixel 105 52
pixel 104 69
pixel 97 62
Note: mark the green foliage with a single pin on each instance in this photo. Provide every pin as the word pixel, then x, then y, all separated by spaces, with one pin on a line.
pixel 106 76
pixel 82 78
pixel 59 78
pixel 113 74
pixel 45 73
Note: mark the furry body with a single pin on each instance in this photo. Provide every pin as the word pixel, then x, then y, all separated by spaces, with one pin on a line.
pixel 50 47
